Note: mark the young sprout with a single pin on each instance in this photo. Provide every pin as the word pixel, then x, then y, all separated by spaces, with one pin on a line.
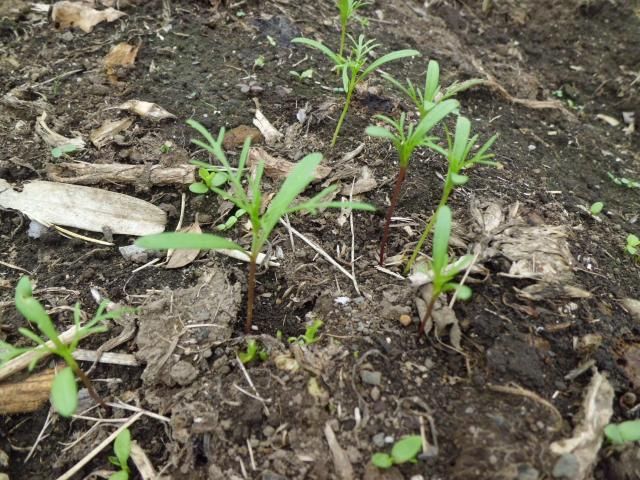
pixel 209 177
pixel 405 139
pixel 403 451
pixel 431 94
pixel 633 245
pixel 443 271
pixel 122 450
pixel 310 334
pixel 64 392
pixel 347 9
pixel 253 352
pixel 457 155
pixel 596 208
pixel 262 224
pixel 354 69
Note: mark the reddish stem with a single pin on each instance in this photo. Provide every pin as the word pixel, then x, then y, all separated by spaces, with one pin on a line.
pixel 251 293
pixel 89 386
pixel 394 202
pixel 423 322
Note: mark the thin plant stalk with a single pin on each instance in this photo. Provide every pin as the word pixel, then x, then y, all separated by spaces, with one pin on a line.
pixel 343 115
pixel 395 197
pixel 427 314
pixel 251 292
pixel 85 381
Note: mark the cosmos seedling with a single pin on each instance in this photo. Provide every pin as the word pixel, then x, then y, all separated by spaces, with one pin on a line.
pixel 619 433
pixel 431 94
pixel 403 451
pixel 310 334
pixel 253 352
pixel 262 224
pixel 633 245
pixel 458 155
pixel 443 271
pixel 406 138
pixel 63 150
pixel 596 208
pixel 302 76
pixel 64 392
pixel 122 450
pixel 209 177
pixel 623 181
pixel 354 69
pixel 348 9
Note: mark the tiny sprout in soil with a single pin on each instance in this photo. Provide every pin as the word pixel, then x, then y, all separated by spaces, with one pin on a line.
pixel 310 334
pixel 403 451
pixel 64 392
pixel 253 352
pixel 302 76
pixel 633 245
pixel 623 181
pixel 625 432
pixel 443 271
pixel 405 139
pixel 122 450
pixel 58 152
pixel 262 224
pixel 354 69
pixel 596 208
pixel 457 155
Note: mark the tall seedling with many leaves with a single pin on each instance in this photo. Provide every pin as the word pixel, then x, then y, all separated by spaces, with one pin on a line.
pixel 262 224
pixel 405 139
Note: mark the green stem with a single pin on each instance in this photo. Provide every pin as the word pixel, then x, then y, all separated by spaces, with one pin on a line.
pixel 251 291
pixel 427 230
pixel 343 36
pixel 342 116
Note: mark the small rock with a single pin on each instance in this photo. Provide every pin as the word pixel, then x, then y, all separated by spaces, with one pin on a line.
pixel 36 229
pixel 268 431
pixel 183 373
pixel 527 472
pixel 378 440
pixel 405 319
pixel 375 394
pixel 371 378
pixel 134 253
pixel 567 466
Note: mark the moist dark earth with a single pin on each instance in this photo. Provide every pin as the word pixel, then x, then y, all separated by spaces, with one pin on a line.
pixel 553 287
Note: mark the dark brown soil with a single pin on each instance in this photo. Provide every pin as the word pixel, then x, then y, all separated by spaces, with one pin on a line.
pixel 582 55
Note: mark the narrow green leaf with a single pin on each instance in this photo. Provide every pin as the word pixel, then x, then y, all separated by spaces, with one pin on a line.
pixel 25 332
pixel 382 460
pixel 406 449
pixel 64 392
pixel 441 234
pixel 379 132
pixel 202 130
pixel 389 57
pixel 121 475
pixel 297 181
pixel 435 115
pixel 190 241
pixel 463 292
pixel 463 129
pixel 432 81
pixel 458 179
pixel 122 447
pixel 319 46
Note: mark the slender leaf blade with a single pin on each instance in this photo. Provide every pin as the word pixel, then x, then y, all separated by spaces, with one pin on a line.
pixel 64 392
pixel 441 234
pixel 389 57
pixel 435 115
pixel 320 47
pixel 189 241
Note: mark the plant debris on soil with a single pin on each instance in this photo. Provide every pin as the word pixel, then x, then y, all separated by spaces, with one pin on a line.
pixel 516 383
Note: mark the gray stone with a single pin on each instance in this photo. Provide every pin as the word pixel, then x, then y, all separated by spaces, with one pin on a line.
pixel 527 472
pixel 567 466
pixel 378 440
pixel 371 378
pixel 183 373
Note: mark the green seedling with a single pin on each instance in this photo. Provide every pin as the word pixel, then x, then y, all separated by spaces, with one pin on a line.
pixel 64 392
pixel 403 451
pixel 231 221
pixel 405 139
pixel 633 245
pixel 310 334
pixel 348 9
pixel 431 94
pixel 210 177
pixel 624 182
pixel 262 224
pixel 122 450
pixel 259 62
pixel 458 155
pixel 443 271
pixel 302 76
pixel 253 352
pixel 354 69
pixel 166 147
pixel 62 150
pixel 625 432
pixel 596 208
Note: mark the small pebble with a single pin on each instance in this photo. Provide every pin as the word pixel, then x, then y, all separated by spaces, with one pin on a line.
pixel 378 440
pixel 375 394
pixel 405 319
pixel 371 378
pixel 567 466
pixel 133 253
pixel 527 472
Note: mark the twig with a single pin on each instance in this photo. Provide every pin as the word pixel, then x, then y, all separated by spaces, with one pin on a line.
pixel 353 259
pixel 515 389
pixel 106 357
pixel 250 382
pixel 47 422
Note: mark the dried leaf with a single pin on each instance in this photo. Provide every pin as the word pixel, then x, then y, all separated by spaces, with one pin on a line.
pixel 279 168
pixel 147 110
pixel 365 183
pixel 105 133
pixel 122 55
pixel 269 132
pixel 180 258
pixel 76 14
pixel 54 139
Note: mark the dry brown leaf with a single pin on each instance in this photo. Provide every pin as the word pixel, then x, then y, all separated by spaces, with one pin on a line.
pixel 235 137
pixel 105 133
pixel 364 184
pixel 279 168
pixel 269 132
pixel 54 139
pixel 181 258
pixel 147 110
pixel 122 55
pixel 67 14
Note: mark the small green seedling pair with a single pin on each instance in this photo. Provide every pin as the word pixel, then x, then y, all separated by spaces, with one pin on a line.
pixel 210 177
pixel 310 334
pixel 64 392
pixel 122 450
pixel 354 69
pixel 253 352
pixel 403 451
pixel 619 433
pixel 633 245
pixel 263 221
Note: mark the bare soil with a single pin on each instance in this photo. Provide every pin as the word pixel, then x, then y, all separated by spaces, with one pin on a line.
pixel 491 408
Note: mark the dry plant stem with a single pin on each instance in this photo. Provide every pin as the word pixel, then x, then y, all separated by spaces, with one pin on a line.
pixel 394 202
pixel 88 385
pixel 251 292
pixel 427 314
